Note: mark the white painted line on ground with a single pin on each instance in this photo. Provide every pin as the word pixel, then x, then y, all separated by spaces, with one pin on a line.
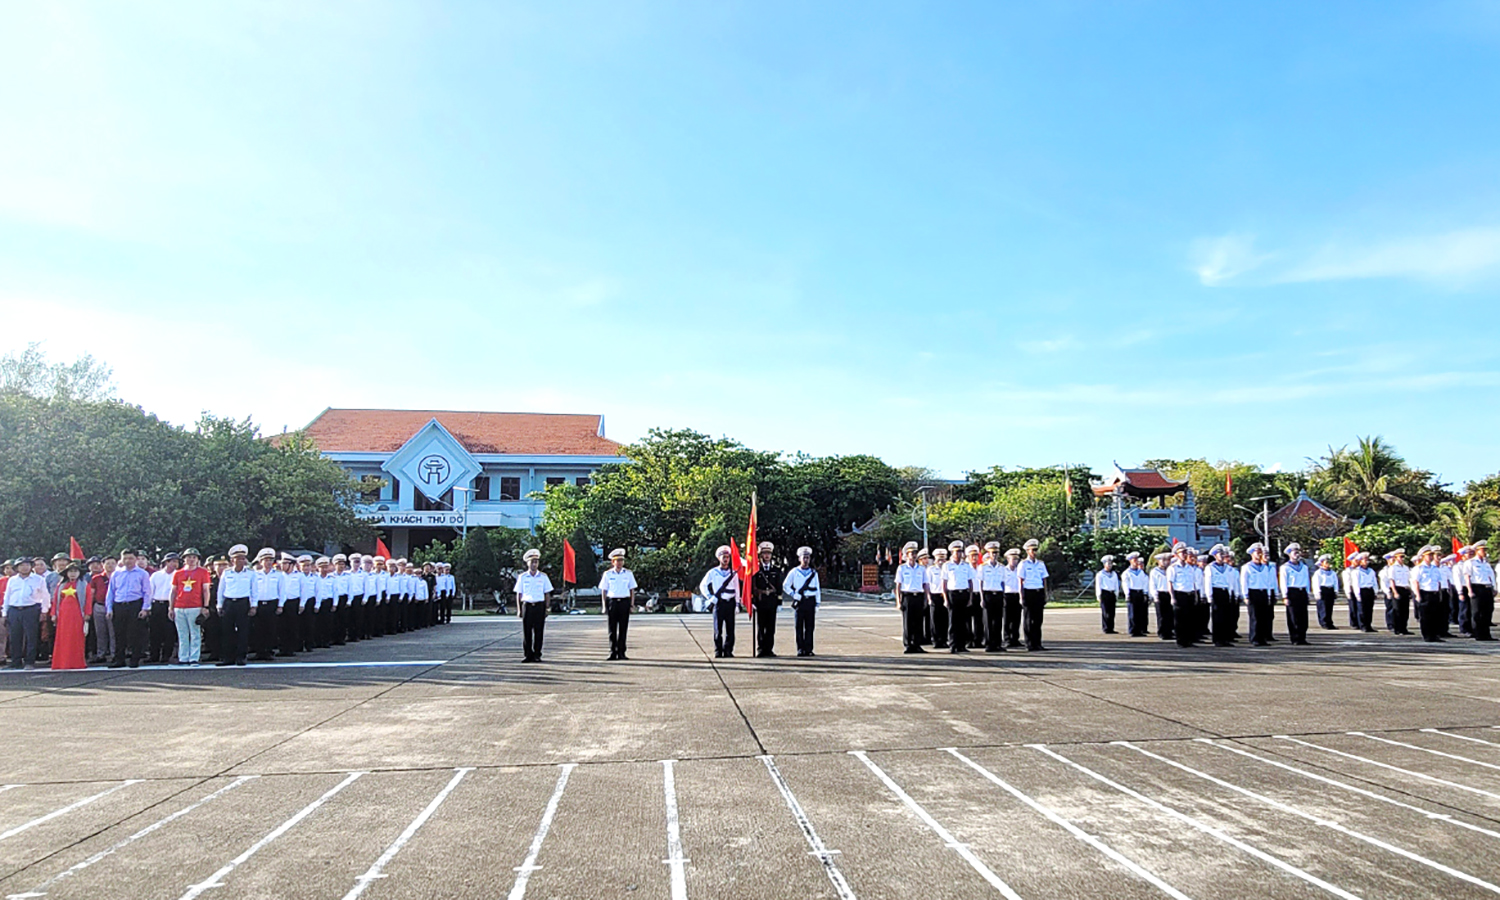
pixel 824 855
pixel 1320 821
pixel 1072 829
pixel 216 879
pixel 66 809
pixel 1375 762
pixel 1466 759
pixel 377 871
pixel 1203 827
pixel 41 889
pixel 1440 817
pixel 674 859
pixel 523 873
pixel 1461 737
pixel 9 787
pixel 947 837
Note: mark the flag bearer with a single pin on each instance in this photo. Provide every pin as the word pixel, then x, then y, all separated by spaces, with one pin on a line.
pixel 1295 582
pixel 1362 584
pixel 1136 584
pixel 1481 578
pixel 533 591
pixel 1161 591
pixel 1219 582
pixel 802 587
pixel 1107 592
pixel 617 589
pixel 937 613
pixel 1325 586
pixel 765 594
pixel 912 597
pixel 1034 586
pixel 992 598
pixel 721 585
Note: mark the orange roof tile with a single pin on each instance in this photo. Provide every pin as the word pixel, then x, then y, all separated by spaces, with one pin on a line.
pixel 385 430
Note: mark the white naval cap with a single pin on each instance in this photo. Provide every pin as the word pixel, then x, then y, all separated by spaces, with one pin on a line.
pixel 1030 543
pixel 531 554
pixel 804 551
pixel 1216 549
pixel 617 553
pixel 1014 551
pixel 264 553
pixel 723 549
pixel 765 545
pixel 909 545
pixel 1162 556
pixel 239 550
pixel 1324 557
pixel 1480 545
pixel 322 560
pixel 306 557
pixel 1292 546
pixel 1132 555
pixel 992 545
pixel 958 544
pixel 1106 558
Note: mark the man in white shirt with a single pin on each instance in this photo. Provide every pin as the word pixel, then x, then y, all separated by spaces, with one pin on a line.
pixel 721 586
pixel 1012 625
pixel 161 633
pixel 1135 585
pixel 975 627
pixel 937 611
pixel 1481 577
pixel 958 587
pixel 617 589
pixel 1395 583
pixel 268 587
pixel 802 588
pixel 26 603
pixel 1461 588
pixel 1034 587
pixel 1161 592
pixel 1107 592
pixel 1259 585
pixel 533 591
pixel 1325 587
pixel 1362 584
pixel 1219 580
pixel 234 598
pixel 1295 583
pixel 990 579
pixel 912 597
pixel 1183 576
pixel 325 608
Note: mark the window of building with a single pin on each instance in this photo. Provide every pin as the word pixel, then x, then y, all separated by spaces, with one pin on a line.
pixel 582 481
pixel 395 488
pixel 481 488
pixel 510 488
pixel 555 480
pixel 369 488
pixel 420 502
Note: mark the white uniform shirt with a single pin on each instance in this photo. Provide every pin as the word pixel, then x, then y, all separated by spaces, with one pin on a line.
pixel 1161 580
pixel 1426 577
pixel 1299 576
pixel 958 576
pixel 1325 578
pixel 992 577
pixel 1481 572
pixel 720 584
pixel 1033 573
pixel 420 584
pixel 1135 580
pixel 161 586
pixel 1361 578
pixel 935 578
pixel 1256 576
pixel 1012 578
pixel 911 579
pixel 533 588
pixel 617 585
pixel 266 587
pixel 801 584
pixel 1184 578
pixel 1218 575
pixel 291 587
pixel 1106 581
pixel 325 586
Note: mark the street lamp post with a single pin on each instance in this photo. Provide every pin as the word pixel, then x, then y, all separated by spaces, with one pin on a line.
pixel 464 530
pixel 922 491
pixel 1261 521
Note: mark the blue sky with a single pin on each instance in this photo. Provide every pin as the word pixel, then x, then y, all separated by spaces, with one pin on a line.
pixel 952 235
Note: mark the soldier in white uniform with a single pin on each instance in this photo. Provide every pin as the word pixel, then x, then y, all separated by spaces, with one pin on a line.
pixel 1362 584
pixel 1427 581
pixel 1136 585
pixel 721 586
pixel 338 624
pixel 1259 584
pixel 1481 578
pixel 1295 583
pixel 1219 580
pixel 1395 580
pixel 991 580
pixel 958 587
pixel 1325 588
pixel 1182 576
pixel 1161 592
pixel 533 596
pixel 1461 588
pixel 937 610
pixel 805 593
pixel 1107 592
pixel 617 589
pixel 912 597
pixel 1034 588
pixel 1012 598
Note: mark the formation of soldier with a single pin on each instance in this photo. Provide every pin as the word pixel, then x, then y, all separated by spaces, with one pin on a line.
pixel 952 600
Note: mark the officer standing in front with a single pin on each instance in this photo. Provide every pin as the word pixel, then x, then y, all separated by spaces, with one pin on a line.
pixel 617 589
pixel 721 585
pixel 911 590
pixel 1481 577
pixel 1034 586
pixel 533 591
pixel 233 598
pixel 802 588
pixel 765 595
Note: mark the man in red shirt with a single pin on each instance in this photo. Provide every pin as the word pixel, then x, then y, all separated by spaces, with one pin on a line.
pixel 104 627
pixel 189 597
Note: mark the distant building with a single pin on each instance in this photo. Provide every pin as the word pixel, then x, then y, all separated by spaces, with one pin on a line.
pixel 445 470
pixel 1130 490
pixel 1307 513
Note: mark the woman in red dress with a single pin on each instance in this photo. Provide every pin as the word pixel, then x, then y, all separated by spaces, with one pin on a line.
pixel 67 609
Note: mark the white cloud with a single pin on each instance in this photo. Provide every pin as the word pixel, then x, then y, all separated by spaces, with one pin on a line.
pixel 1222 259
pixel 1456 256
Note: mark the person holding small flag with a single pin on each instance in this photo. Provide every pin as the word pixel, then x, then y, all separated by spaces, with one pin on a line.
pixel 721 587
pixel 617 589
pixel 802 587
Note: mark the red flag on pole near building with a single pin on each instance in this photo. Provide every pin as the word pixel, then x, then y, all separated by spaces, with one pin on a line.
pixel 74 551
pixel 1228 485
pixel 1350 548
pixel 752 555
pixel 381 549
pixel 570 564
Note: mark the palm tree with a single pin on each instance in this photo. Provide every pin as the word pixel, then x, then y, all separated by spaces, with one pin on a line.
pixel 1469 522
pixel 1365 479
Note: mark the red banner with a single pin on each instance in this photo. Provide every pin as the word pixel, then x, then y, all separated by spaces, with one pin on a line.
pixel 75 551
pixel 570 564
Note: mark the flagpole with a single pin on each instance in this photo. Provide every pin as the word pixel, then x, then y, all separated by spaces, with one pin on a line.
pixel 754 622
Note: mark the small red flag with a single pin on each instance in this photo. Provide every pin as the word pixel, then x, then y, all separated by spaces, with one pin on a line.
pixel 1228 485
pixel 1456 546
pixel 735 562
pixel 752 556
pixel 74 551
pixel 1350 548
pixel 381 549
pixel 570 564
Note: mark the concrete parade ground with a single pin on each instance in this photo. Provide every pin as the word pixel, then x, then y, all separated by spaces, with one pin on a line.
pixel 434 764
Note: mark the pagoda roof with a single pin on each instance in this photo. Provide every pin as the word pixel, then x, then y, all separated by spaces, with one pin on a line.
pixel 1305 509
pixel 1141 483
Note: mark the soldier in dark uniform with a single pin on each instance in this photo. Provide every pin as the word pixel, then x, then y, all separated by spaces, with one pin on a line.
pixel 765 593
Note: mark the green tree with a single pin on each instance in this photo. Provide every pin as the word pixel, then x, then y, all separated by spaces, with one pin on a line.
pixel 1378 539
pixel 476 570
pixel 1373 479
pixel 32 374
pixel 1469 519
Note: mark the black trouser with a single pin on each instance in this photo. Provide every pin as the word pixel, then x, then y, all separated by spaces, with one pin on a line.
pixel 725 612
pixel 976 621
pixel 1481 606
pixel 1205 617
pixel 533 623
pixel 1296 614
pixel 805 616
pixel 958 621
pixel 1401 614
pixel 1137 618
pixel 213 625
pixel 1353 605
pixel 327 616
pixel 1012 620
pixel 1463 610
pixel 375 613
pixel 765 625
pixel 338 627
pixel 1033 601
pixel 307 638
pixel 1166 617
pixel 1366 607
pixel 130 632
pixel 163 633
pixel 913 619
pixel 234 643
pixel 1390 608
pixel 617 611
pixel 992 603
pixel 1185 616
pixel 1262 615
pixel 1327 601
pixel 289 638
pixel 263 630
pixel 1430 614
pixel 1107 600
pixel 937 621
pixel 354 619
pixel 1222 608
pixel 23 625
pixel 445 609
